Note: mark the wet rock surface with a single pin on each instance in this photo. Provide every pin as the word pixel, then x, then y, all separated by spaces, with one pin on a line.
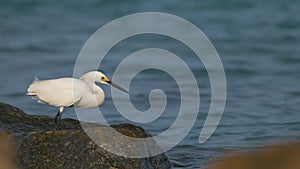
pixel 39 145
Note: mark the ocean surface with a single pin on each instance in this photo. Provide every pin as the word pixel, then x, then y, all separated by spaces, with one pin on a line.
pixel 258 43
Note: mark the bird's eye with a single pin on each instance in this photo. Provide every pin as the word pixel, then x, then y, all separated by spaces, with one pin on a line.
pixel 102 78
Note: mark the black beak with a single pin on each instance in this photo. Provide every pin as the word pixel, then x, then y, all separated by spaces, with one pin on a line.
pixel 117 86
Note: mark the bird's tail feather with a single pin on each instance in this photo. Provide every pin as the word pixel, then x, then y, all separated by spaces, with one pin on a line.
pixel 30 90
pixel 36 79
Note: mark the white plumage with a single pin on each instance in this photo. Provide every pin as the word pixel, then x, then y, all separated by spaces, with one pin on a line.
pixel 65 92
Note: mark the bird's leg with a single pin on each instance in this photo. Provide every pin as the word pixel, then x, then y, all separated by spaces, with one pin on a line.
pixel 58 117
pixel 56 120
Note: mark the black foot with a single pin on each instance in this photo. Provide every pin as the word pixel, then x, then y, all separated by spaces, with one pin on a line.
pixel 57 128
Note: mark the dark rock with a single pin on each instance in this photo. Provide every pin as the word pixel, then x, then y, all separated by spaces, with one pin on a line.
pixel 40 146
pixel 16 121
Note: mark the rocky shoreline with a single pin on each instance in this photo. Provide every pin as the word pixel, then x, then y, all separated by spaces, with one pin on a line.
pixel 39 145
pixel 31 141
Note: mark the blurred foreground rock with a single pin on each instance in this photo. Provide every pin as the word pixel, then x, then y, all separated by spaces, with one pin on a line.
pixel 7 151
pixel 285 156
pixel 40 146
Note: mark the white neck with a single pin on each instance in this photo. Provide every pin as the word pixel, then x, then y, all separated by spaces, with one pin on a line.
pixel 96 93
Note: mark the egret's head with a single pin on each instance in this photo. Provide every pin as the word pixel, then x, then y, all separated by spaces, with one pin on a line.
pixel 105 80
pixel 96 76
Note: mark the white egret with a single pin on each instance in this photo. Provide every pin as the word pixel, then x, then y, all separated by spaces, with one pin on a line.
pixel 66 92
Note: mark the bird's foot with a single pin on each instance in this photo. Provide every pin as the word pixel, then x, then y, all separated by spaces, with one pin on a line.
pixel 57 128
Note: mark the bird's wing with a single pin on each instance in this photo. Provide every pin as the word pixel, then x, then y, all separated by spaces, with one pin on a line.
pixel 57 92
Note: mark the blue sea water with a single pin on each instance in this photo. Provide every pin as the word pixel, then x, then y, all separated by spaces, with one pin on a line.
pixel 258 43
